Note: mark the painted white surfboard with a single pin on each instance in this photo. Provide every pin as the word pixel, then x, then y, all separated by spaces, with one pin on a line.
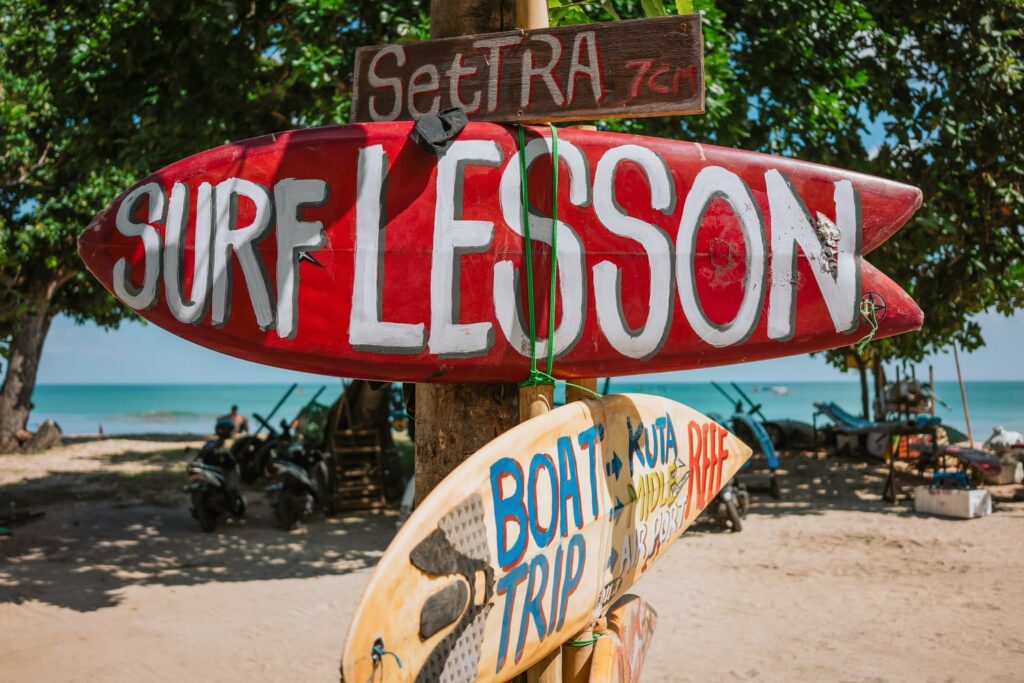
pixel 533 536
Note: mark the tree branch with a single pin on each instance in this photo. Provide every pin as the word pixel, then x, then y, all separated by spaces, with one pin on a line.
pixel 23 178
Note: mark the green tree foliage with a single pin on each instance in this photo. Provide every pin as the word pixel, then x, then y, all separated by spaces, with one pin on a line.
pixel 95 94
pixel 944 84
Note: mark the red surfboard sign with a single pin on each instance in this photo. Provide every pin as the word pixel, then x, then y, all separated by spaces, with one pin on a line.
pixel 350 251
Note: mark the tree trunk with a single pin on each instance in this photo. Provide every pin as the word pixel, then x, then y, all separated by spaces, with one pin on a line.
pixel 865 398
pixel 454 421
pixel 879 386
pixel 23 363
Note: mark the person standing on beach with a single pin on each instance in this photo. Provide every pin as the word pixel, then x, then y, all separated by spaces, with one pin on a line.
pixel 240 421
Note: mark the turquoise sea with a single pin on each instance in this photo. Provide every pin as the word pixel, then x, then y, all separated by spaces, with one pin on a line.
pixel 192 408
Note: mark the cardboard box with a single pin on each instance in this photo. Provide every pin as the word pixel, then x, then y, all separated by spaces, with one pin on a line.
pixel 961 503
pixel 1011 473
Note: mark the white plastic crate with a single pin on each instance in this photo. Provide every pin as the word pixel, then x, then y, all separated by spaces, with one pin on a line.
pixel 961 503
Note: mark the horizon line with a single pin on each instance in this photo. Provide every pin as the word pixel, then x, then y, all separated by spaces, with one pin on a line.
pixel 624 379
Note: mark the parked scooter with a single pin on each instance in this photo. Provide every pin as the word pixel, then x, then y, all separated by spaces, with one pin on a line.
pixel 246 449
pixel 256 464
pixel 730 506
pixel 213 478
pixel 301 485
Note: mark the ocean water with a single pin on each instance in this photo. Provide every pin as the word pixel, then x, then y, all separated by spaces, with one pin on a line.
pixel 165 408
pixel 175 408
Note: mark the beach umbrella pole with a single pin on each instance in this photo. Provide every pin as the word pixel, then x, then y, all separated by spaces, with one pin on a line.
pixel 963 394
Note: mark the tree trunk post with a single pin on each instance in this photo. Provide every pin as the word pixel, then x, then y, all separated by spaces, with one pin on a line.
pixel 454 421
pixel 589 388
pixel 23 364
pixel 865 398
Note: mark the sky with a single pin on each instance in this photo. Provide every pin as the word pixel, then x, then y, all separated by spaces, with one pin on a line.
pixel 145 354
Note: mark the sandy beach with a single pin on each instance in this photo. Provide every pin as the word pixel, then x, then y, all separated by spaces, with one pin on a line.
pixel 117 583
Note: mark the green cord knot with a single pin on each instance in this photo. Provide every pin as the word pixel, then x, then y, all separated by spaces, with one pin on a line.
pixel 867 311
pixel 379 652
pixel 536 378
pixel 583 642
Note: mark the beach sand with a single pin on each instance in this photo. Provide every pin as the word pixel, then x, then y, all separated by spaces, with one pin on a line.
pixel 117 583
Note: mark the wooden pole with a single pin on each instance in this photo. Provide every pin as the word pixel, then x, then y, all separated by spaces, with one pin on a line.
pixel 455 420
pixel 574 394
pixel 963 394
pixel 931 386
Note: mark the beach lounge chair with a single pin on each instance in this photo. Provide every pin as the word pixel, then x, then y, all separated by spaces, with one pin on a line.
pixel 848 423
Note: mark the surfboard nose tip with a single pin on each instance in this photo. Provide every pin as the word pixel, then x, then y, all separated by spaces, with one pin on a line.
pixel 901 315
pixel 90 242
pixel 911 316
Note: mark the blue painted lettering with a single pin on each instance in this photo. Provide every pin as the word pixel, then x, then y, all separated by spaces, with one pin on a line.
pixel 507 586
pixel 568 484
pixel 577 553
pixel 589 438
pixel 542 535
pixel 509 509
pixel 532 606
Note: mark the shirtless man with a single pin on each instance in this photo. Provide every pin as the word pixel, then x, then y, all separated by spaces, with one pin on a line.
pixel 240 421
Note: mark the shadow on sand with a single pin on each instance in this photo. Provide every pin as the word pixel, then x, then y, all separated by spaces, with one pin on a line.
pixel 108 530
pixel 813 484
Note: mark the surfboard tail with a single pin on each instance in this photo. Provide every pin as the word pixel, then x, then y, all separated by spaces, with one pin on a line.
pixel 893 309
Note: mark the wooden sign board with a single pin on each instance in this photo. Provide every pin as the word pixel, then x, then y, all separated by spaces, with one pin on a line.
pixel 646 67
pixel 350 251
pixel 532 537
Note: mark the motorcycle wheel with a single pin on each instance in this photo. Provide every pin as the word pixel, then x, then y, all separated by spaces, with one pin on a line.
pixel 201 510
pixel 262 458
pixel 245 451
pixel 774 488
pixel 285 512
pixel 330 506
pixel 733 515
pixel 238 506
pixel 775 433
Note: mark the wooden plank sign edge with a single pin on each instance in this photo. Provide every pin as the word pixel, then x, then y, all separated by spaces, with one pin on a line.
pixel 626 68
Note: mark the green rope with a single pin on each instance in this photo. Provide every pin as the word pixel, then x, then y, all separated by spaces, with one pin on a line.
pixel 533 378
pixel 585 641
pixel 379 652
pixel 554 249
pixel 536 375
pixel 867 310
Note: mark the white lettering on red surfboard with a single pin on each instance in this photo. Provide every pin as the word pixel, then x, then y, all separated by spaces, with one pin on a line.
pixel 219 241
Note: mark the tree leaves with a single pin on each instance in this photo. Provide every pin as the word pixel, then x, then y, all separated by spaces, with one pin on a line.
pixel 96 94
pixel 931 94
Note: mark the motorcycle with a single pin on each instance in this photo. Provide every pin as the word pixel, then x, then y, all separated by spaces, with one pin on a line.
pixel 730 506
pixel 301 485
pixel 246 449
pixel 256 456
pixel 213 479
